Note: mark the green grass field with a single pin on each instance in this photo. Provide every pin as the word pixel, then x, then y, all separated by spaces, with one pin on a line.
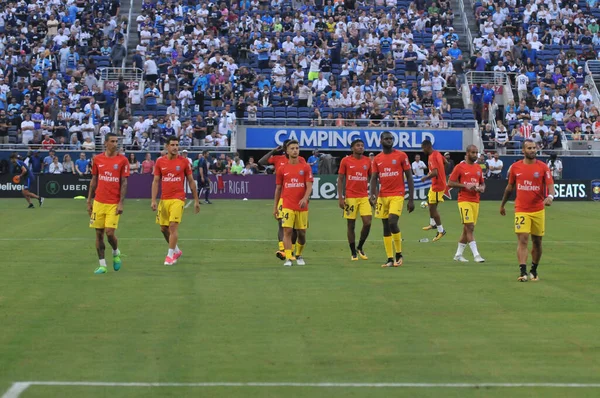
pixel 230 312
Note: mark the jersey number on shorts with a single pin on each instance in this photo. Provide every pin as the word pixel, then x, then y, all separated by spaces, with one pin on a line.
pixel 286 215
pixel 93 218
pixel 519 220
pixel 349 209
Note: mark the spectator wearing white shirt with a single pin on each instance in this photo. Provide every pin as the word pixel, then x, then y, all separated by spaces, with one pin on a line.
pixel 495 165
pixel 56 167
pixel 585 95
pixel 173 109
pixel 418 167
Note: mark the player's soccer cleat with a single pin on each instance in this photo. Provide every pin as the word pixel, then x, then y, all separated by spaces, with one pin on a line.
pixel 399 260
pixel 362 255
pixel 460 259
pixel 479 259
pixel 170 261
pixel 534 276
pixel 117 262
pixel 428 228
pixel 288 263
pixel 280 254
pixel 176 255
pixel 208 202
pixel 389 264
pixel 439 236
pixel 300 260
pixel 31 206
pixel 41 200
pixel 522 278
pixel 354 257
pixel 100 270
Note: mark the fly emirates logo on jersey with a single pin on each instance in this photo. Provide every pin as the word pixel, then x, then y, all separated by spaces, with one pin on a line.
pixel 294 183
pixel 358 177
pixel 388 172
pixel 529 186
pixel 108 177
pixel 170 177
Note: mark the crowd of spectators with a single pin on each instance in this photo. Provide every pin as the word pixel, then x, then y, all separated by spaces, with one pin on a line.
pixel 543 46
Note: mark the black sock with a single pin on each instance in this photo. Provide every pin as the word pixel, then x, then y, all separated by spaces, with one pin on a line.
pixel 534 268
pixel 206 192
pixel 360 244
pixel 398 256
pixel 523 269
pixel 353 248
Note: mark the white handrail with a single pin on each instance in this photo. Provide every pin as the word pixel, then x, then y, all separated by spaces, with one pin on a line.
pixel 465 21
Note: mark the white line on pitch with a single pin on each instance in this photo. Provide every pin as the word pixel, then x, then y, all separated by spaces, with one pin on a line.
pixel 569 242
pixel 16 389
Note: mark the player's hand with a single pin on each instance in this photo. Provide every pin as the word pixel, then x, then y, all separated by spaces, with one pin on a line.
pixel 480 189
pixel 342 203
pixel 119 209
pixel 196 207
pixel 276 213
pixel 502 210
pixel 548 201
pixel 471 187
pixel 303 203
pixel 278 148
pixel 153 205
pixel 373 200
pixel 410 206
pixel 89 208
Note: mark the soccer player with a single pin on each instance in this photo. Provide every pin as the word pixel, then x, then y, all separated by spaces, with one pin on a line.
pixel 390 167
pixel 277 161
pixel 437 175
pixel 353 194
pixel 532 179
pixel 27 178
pixel 468 177
pixel 105 198
pixel 171 171
pixel 294 181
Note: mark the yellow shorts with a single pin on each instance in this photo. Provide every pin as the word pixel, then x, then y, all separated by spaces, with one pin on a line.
pixel 389 205
pixel 531 223
pixel 313 75
pixel 280 208
pixel 104 216
pixel 294 219
pixel 469 212
pixel 169 210
pixel 433 198
pixel 357 205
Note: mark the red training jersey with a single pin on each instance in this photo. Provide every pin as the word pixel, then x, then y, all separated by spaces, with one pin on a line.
pixel 357 176
pixel 172 173
pixel 280 160
pixel 436 161
pixel 293 179
pixel 110 171
pixel 531 181
pixel 391 168
pixel 466 173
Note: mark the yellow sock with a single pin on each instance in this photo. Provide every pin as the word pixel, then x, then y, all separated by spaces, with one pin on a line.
pixel 389 249
pixel 299 249
pixel 288 254
pixel 398 242
pixel 281 248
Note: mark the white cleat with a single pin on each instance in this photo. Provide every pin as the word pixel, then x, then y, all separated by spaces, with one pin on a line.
pixel 300 260
pixel 479 259
pixel 460 259
pixel 288 263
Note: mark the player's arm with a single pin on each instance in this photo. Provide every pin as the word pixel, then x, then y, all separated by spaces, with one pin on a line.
pixel 91 193
pixel 374 187
pixel 201 172
pixel 304 200
pixel 411 190
pixel 264 161
pixel 508 191
pixel 341 184
pixel 155 182
pixel 277 197
pixel 549 181
pixel 432 173
pixel 192 183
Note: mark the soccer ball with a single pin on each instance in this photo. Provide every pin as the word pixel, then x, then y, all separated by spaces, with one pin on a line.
pixel 424 205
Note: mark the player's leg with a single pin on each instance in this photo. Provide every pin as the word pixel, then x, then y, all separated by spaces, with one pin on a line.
pixel 364 234
pixel 523 242
pixel 287 245
pixel 388 244
pixel 280 253
pixel 396 238
pixel 26 195
pixel 435 214
pixel 350 225
pixel 164 229
pixel 536 256
pixel 301 242
pixel 207 193
pixel 114 243
pixel 100 249
pixel 431 201
pixel 462 244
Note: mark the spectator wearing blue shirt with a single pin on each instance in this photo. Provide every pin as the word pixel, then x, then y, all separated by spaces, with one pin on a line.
pixel 454 51
pixel 477 99
pixel 488 99
pixel 82 165
pixel 151 95
pixel 313 161
pixel 262 83
pixel 480 63
pixel 263 49
pixel 48 161
pixel 386 43
pixel 27 179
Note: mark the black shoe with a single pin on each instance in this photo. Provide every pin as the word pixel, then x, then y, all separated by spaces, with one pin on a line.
pixel 208 202
pixel 31 206
pixel 41 200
